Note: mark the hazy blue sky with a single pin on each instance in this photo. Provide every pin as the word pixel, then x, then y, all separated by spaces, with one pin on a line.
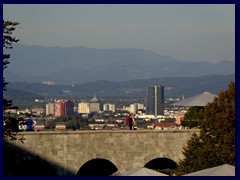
pixel 197 32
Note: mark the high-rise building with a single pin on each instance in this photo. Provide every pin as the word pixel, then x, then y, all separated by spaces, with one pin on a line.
pixel 63 108
pixel 69 108
pixel 155 100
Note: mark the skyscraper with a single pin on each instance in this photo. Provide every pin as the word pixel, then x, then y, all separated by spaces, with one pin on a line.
pixel 155 100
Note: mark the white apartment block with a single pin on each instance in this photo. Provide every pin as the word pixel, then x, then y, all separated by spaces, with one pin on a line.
pixel 109 107
pixel 83 108
pixel 49 108
pixel 135 107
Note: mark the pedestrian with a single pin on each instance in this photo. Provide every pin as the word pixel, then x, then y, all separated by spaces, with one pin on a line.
pixel 30 124
pixel 128 122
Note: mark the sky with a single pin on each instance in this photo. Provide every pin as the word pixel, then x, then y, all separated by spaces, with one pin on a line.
pixel 190 32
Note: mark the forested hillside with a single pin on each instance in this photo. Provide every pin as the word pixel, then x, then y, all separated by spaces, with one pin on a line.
pixel 174 88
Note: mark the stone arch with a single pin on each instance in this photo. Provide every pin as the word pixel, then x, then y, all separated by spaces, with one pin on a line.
pixel 153 156
pixel 161 163
pixel 97 167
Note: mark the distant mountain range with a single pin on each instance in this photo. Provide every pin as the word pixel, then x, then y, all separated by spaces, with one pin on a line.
pixel 133 89
pixel 76 65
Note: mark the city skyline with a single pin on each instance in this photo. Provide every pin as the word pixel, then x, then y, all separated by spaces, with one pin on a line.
pixel 191 32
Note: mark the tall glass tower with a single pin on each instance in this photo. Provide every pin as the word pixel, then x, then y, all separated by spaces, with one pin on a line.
pixel 155 100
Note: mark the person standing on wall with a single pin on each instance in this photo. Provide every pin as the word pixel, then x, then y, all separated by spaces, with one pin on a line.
pixel 30 124
pixel 128 122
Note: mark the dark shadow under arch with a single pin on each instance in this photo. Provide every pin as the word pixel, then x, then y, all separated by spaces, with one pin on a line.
pixel 97 167
pixel 161 164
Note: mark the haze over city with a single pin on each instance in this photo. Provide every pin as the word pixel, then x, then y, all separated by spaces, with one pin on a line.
pixel 189 32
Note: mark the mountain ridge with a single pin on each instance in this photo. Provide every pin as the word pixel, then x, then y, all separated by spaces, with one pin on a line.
pixel 174 87
pixel 67 65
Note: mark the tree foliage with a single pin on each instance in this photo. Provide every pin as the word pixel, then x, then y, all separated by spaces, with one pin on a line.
pixel 215 144
pixel 10 122
pixel 193 116
pixel 194 113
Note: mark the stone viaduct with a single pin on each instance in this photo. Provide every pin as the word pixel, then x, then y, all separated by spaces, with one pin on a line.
pixel 125 149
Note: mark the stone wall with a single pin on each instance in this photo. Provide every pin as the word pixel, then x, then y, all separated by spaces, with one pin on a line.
pixel 125 149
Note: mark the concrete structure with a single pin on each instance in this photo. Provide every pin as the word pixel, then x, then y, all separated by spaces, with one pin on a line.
pixel 83 108
pixel 69 108
pixel 125 149
pixel 50 108
pixel 198 100
pixel 109 107
pixel 133 108
pixel 63 108
pixel 95 105
pixel 155 100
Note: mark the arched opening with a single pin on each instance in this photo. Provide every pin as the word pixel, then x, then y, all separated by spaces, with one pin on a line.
pixel 97 167
pixel 163 165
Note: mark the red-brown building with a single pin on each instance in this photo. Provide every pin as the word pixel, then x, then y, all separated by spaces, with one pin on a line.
pixel 63 108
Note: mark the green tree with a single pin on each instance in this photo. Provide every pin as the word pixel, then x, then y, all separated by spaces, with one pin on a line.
pixel 193 116
pixel 215 144
pixel 73 123
pixel 10 122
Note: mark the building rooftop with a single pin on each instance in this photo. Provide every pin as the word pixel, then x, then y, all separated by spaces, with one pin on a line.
pixel 198 100
pixel 94 99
